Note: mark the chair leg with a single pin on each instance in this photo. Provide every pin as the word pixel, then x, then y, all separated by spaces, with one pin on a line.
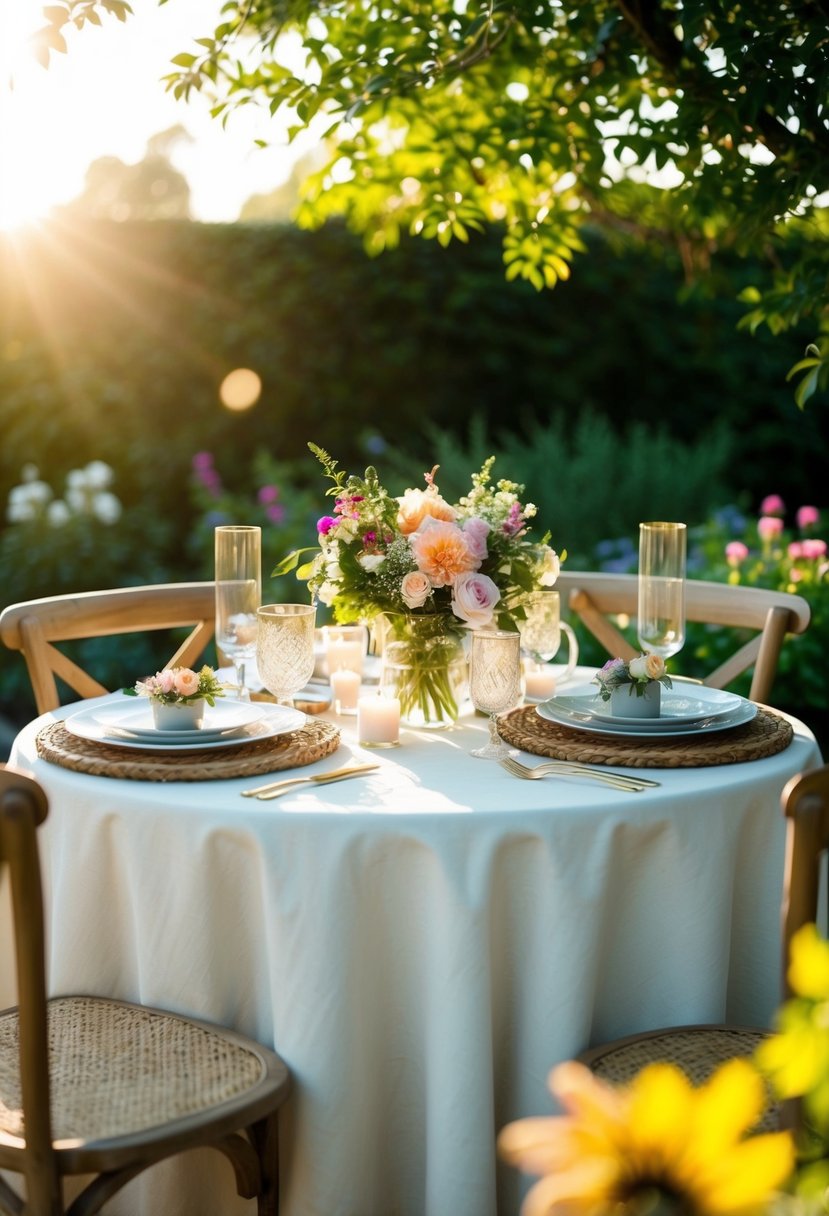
pixel 264 1136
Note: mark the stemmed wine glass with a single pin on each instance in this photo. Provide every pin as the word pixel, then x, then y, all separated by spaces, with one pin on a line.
pixel 661 613
pixel 238 595
pixel 285 648
pixel 494 682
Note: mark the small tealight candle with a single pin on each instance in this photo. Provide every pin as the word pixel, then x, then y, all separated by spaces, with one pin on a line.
pixel 378 721
pixel 539 683
pixel 345 687
pixel 344 656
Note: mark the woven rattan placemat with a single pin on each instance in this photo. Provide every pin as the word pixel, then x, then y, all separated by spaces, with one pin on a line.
pixel 766 734
pixel 291 750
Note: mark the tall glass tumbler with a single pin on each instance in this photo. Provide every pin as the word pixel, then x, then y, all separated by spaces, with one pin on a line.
pixel 661 614
pixel 238 596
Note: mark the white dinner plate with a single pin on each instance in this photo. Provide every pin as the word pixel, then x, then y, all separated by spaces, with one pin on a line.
pixel 647 728
pixel 135 720
pixel 678 706
pixel 270 720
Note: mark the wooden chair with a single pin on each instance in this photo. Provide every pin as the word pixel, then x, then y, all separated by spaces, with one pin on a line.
pixel 33 627
pixel 92 1085
pixel 594 597
pixel 699 1050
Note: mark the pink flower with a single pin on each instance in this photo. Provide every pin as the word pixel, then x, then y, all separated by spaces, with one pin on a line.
pixel 772 504
pixel 415 589
pixel 814 548
pixel 795 550
pixel 807 517
pixel 473 598
pixel 325 524
pixel 165 680
pixel 768 526
pixel 476 531
pixel 442 552
pixel 735 552
pixel 185 681
pixel 268 494
pixel 275 513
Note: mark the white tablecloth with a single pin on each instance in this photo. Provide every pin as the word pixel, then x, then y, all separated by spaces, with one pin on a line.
pixel 421 945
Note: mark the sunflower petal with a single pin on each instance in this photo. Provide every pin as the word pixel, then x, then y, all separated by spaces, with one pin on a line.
pixel 726 1106
pixel 745 1177
pixel 809 964
pixel 660 1112
pixel 581 1189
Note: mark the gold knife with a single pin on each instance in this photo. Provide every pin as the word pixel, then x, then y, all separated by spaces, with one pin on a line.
pixel 275 788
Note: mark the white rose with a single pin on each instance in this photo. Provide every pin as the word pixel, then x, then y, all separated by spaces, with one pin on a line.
pixel 371 561
pixel 638 667
pixel 550 568
pixel 98 475
pixel 473 598
pixel 415 589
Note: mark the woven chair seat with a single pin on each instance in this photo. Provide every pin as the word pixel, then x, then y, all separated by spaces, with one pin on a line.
pixel 697 1051
pixel 117 1069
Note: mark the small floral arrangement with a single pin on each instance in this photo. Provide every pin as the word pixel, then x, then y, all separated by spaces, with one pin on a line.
pixel 641 671
pixel 179 686
pixel 471 561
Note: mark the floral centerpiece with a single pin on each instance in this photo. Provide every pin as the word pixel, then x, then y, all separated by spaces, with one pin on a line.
pixel 178 695
pixel 633 688
pixel 430 570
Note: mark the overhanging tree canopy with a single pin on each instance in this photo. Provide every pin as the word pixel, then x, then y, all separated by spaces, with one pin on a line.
pixel 700 126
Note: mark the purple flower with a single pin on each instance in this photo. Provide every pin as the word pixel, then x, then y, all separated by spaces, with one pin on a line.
pixel 515 520
pixel 202 461
pixel 369 538
pixel 268 494
pixel 275 513
pixel 325 524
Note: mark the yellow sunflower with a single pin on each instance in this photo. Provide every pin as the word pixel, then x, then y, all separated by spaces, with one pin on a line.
pixel 617 1148
pixel 796 1059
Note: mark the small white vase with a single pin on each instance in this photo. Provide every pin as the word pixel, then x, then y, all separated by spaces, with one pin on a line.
pixel 624 702
pixel 187 715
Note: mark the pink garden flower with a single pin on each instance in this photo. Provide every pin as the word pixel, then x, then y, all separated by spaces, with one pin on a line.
pixel 807 517
pixel 769 526
pixel 415 589
pixel 473 598
pixel 772 504
pixel 736 552
pixel 442 552
pixel 476 531
pixel 185 681
pixel 795 550
pixel 813 548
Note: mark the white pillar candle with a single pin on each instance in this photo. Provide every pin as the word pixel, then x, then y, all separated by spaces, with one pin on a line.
pixel 344 656
pixel 345 687
pixel 378 721
pixel 539 683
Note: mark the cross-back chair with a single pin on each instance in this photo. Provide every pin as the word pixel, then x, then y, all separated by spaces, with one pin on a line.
pixel 35 626
pixel 594 597
pixel 699 1050
pixel 90 1085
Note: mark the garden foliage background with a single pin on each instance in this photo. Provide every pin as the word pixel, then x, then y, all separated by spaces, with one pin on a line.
pixel 610 398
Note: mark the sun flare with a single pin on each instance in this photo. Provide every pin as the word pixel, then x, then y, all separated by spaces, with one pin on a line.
pixel 29 184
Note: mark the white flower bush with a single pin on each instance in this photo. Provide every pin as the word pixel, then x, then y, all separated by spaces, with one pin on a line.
pixel 86 496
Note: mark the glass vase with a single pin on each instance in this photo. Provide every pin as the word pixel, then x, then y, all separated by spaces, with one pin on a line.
pixel 424 665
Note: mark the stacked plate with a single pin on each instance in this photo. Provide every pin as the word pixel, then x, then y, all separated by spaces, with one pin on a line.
pixel 685 710
pixel 226 724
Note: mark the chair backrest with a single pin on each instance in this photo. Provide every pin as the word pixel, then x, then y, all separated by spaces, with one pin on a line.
pixel 805 801
pixel 23 807
pixel 595 597
pixel 34 626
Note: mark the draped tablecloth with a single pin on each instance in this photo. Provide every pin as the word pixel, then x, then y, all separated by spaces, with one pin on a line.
pixel 421 945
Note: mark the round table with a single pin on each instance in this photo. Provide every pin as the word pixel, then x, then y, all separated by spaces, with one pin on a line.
pixel 421 944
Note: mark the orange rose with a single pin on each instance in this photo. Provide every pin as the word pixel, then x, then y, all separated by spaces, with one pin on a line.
pixel 417 505
pixel 185 681
pixel 442 553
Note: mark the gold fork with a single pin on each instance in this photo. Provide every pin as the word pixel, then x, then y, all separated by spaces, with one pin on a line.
pixel 565 768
